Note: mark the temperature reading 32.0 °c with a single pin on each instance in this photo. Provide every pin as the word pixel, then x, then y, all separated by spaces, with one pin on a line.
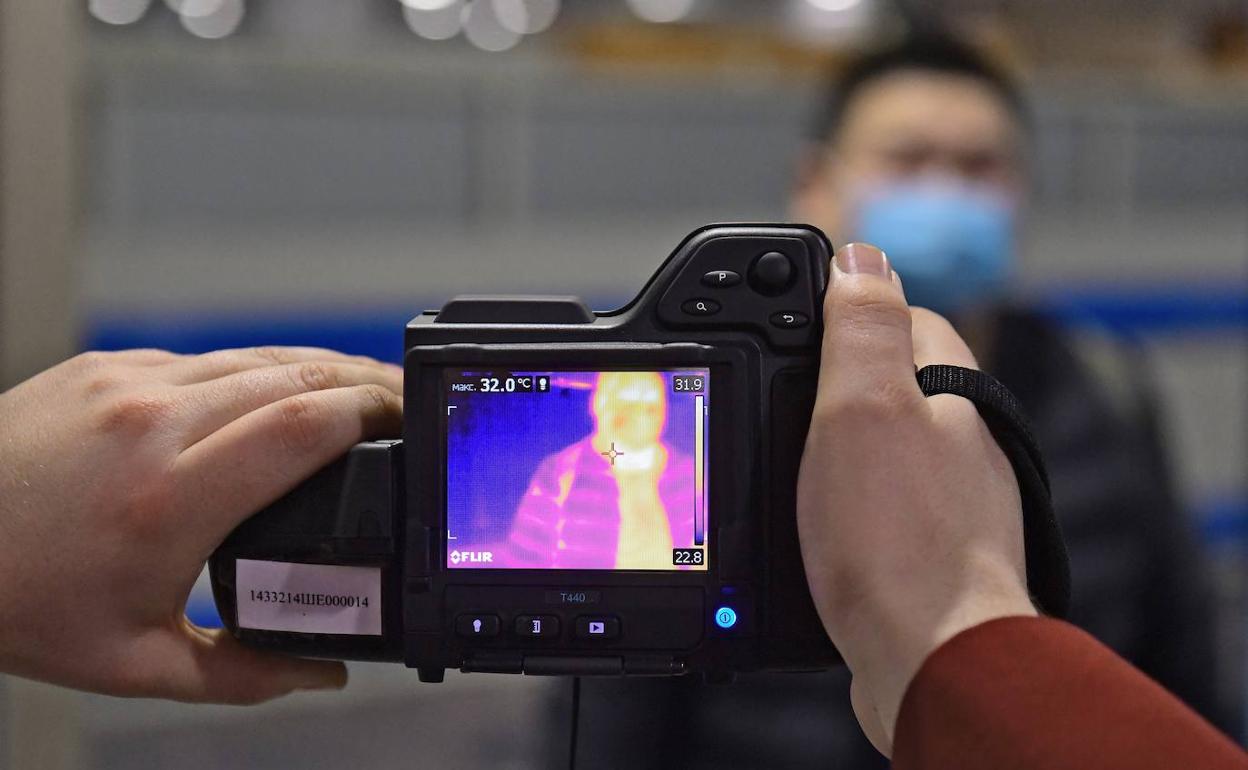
pixel 515 384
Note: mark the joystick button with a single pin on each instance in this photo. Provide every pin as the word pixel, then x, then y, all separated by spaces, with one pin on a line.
pixel 789 319
pixel 700 307
pixel 771 273
pixel 721 279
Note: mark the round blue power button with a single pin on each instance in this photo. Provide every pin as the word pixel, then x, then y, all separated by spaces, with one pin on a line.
pixel 725 617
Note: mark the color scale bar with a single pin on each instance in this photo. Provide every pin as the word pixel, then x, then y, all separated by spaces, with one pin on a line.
pixel 699 470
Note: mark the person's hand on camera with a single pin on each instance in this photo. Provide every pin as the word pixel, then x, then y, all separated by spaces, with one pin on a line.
pixel 121 472
pixel 909 512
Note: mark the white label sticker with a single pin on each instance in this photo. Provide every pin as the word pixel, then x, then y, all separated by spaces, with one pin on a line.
pixel 310 598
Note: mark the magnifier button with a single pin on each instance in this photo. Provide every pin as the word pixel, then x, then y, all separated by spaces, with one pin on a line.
pixel 700 307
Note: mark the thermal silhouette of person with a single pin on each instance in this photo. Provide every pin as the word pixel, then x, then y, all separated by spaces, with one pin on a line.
pixel 618 498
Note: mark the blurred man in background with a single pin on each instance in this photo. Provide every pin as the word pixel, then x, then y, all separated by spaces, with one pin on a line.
pixel 922 149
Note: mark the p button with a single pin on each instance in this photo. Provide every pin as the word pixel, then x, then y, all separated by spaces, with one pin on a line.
pixel 721 279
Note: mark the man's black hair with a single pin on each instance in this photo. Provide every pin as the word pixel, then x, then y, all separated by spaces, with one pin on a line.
pixel 941 54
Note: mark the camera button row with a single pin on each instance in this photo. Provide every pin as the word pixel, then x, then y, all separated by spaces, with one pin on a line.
pixel 597 627
pixel 789 319
pixel 477 625
pixel 721 279
pixel 700 307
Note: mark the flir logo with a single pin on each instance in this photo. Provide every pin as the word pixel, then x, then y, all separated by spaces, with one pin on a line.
pixel 471 557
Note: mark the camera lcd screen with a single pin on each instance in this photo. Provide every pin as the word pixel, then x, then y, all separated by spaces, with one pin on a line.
pixel 596 470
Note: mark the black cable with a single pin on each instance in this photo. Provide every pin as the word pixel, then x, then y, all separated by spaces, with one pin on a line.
pixel 576 711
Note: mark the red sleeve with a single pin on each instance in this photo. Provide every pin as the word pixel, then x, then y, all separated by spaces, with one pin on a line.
pixel 1039 694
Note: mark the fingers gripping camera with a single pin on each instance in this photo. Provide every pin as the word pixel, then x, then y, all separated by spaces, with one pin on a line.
pixel 577 493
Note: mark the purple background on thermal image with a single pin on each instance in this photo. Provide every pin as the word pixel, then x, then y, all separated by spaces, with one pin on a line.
pixel 495 442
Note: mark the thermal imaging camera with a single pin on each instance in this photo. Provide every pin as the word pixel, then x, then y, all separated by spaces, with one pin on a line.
pixel 577 493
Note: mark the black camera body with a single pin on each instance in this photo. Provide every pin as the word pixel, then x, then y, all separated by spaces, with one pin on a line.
pixel 575 493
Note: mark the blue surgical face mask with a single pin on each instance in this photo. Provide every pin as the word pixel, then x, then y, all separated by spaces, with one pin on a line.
pixel 951 243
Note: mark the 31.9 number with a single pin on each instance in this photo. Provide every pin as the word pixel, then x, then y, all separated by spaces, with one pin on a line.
pixel 688 384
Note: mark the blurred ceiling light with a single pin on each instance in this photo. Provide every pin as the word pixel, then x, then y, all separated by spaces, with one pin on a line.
pixel 118 11
pixel 218 23
pixel 429 5
pixel 830 23
pixel 483 28
pixel 834 5
pixel 199 9
pixel 435 24
pixel 526 17
pixel 662 11
pixel 195 8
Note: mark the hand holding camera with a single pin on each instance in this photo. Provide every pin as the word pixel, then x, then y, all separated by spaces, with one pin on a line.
pixel 119 474
pixel 909 512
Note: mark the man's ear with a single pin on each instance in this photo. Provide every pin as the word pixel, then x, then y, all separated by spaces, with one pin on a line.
pixel 812 198
pixel 811 162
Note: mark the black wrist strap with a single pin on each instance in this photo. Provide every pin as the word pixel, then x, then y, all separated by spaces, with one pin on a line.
pixel 1048 565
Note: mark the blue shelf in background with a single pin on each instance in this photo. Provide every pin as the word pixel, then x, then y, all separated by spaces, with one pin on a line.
pixel 376 333
pixel 1142 311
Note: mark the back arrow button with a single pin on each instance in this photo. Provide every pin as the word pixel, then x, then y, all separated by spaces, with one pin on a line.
pixel 789 319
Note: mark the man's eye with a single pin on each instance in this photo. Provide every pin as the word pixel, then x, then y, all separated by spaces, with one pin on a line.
pixel 982 166
pixel 907 158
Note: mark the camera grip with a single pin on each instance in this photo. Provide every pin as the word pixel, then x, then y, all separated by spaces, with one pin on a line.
pixel 347 517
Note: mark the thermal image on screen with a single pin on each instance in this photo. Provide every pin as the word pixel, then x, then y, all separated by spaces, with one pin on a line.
pixel 600 470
